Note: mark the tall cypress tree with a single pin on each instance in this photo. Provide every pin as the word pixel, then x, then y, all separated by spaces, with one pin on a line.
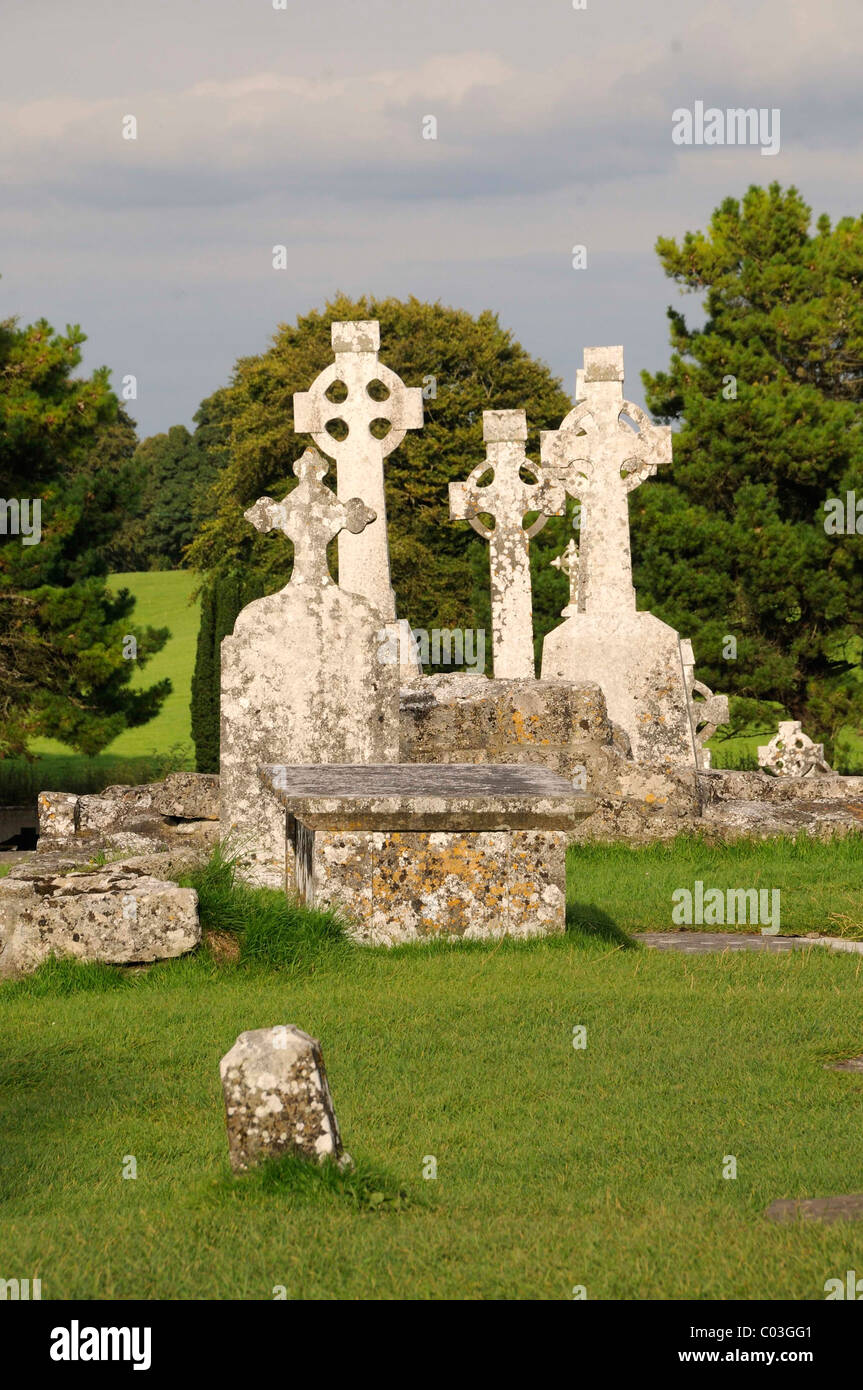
pixel 222 599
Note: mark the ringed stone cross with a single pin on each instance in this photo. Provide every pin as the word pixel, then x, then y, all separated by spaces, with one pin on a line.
pixel 310 516
pixel 507 498
pixel 599 458
pixel 567 563
pixel 341 393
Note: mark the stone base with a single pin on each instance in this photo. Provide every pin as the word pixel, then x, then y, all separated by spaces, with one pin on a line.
pixel 398 886
pixel 636 660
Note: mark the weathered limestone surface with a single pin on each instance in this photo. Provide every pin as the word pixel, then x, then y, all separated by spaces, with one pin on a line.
pixel 508 498
pixel 413 850
pixel 414 796
pixel 400 886
pixel 56 814
pixel 717 785
pixel 277 1098
pixel 706 713
pixel 301 676
pixel 791 753
pixel 129 818
pixel 364 560
pixel 115 916
pixel 188 796
pixel 558 724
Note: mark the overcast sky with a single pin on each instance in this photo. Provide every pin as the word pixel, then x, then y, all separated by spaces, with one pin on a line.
pixel 303 126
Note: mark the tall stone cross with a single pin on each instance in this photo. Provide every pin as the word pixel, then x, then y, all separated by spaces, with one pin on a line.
pixel 599 458
pixel 343 393
pixel 310 516
pixel 507 498
pixel 567 563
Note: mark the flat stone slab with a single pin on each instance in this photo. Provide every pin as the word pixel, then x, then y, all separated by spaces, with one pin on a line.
pixel 427 796
pixel 847 1207
pixel 698 943
pixel 851 1064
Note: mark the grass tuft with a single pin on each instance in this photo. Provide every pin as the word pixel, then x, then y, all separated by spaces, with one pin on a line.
pixel 362 1188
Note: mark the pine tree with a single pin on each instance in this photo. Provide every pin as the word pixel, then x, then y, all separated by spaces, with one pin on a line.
pixel 730 542
pixel 63 636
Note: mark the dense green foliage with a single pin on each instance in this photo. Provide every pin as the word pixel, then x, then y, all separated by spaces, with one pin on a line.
pixel 730 540
pixel 64 443
pixel 177 473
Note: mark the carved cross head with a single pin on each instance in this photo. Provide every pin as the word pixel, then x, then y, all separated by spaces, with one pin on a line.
pixel 507 497
pixel 354 393
pixel 605 442
pixel 310 516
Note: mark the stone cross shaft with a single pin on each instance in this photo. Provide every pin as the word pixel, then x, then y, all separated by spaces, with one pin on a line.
pixel 599 458
pixel 310 516
pixel 342 393
pixel 508 498
pixel 567 563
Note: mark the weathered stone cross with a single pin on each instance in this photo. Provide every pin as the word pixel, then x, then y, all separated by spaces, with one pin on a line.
pixel 310 516
pixel 567 563
pixel 599 458
pixel 507 498
pixel 364 562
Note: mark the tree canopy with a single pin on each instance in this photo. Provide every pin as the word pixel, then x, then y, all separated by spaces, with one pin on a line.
pixel 729 541
pixel 64 457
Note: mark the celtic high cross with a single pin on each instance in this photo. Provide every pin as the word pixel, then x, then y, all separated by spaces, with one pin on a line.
pixel 508 498
pixel 599 457
pixel 355 391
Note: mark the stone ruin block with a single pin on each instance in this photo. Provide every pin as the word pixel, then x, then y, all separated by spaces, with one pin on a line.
pixel 277 1098
pixel 400 886
pixel 114 916
pixel 558 724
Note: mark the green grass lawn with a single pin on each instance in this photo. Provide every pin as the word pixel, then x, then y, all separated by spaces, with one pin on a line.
pixel 619 888
pixel 556 1167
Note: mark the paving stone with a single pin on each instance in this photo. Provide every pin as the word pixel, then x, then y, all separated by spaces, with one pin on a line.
pixel 846 1207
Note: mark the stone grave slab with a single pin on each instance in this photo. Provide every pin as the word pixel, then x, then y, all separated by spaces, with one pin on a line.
pixel 413 851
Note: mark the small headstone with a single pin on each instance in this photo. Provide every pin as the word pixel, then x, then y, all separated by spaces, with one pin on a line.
pixel 277 1099
pixel 791 753
pixel 847 1207
pixel 508 498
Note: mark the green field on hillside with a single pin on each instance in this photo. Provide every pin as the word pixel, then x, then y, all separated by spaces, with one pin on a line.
pixel 142 754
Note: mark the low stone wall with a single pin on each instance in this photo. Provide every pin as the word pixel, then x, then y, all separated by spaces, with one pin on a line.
pixel 182 810
pixel 756 804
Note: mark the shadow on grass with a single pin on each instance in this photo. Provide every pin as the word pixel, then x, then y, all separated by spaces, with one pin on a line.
pixel 590 920
pixel 362 1187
